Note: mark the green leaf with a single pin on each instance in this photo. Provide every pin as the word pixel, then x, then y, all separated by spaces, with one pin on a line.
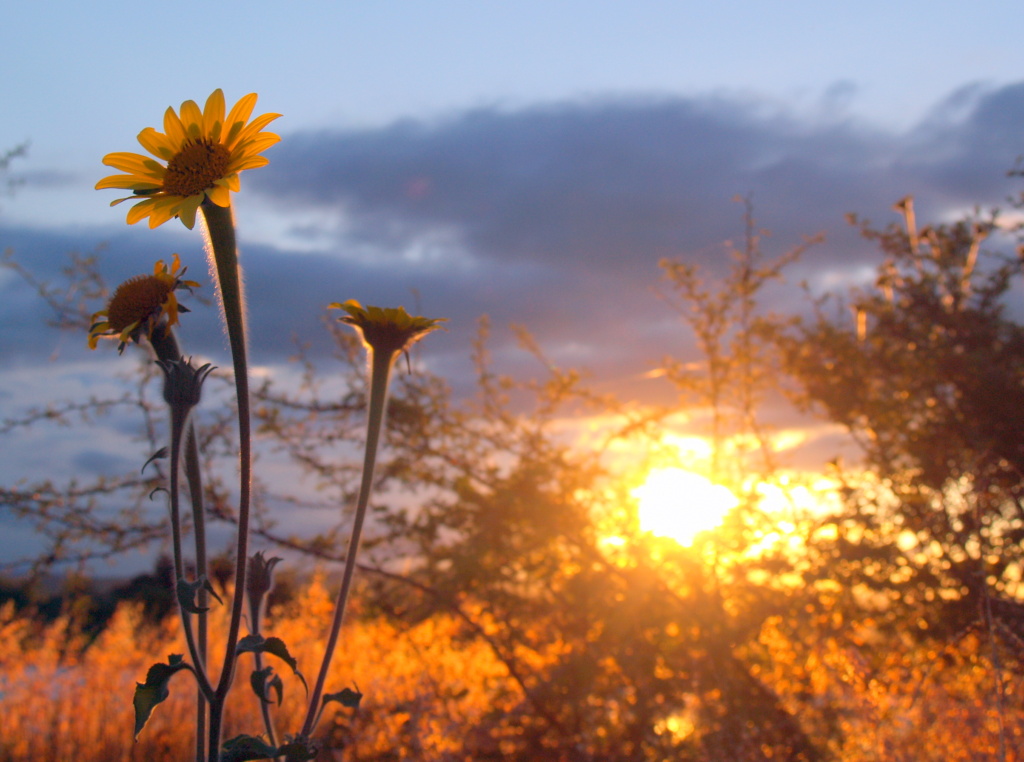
pixel 243 748
pixel 264 679
pixel 347 697
pixel 298 750
pixel 259 644
pixel 154 690
pixel 187 594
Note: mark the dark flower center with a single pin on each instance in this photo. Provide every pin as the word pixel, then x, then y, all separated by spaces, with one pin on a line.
pixel 135 300
pixel 196 167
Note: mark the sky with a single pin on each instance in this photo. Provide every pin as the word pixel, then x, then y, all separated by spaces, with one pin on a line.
pixel 531 161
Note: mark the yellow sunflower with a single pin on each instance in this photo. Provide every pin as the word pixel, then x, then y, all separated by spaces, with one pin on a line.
pixel 138 304
pixel 386 330
pixel 203 151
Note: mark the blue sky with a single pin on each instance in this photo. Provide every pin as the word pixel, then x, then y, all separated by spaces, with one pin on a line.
pixel 81 78
pixel 530 160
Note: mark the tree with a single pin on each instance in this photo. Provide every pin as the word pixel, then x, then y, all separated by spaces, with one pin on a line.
pixel 924 369
pixel 634 650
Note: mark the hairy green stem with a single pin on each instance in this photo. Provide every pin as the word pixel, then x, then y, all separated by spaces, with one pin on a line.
pixel 223 253
pixel 380 371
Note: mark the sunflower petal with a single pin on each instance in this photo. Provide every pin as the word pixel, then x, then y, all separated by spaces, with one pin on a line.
pixel 231 182
pixel 171 309
pixel 213 115
pixel 250 130
pixel 132 162
pixel 156 143
pixel 140 211
pixel 242 110
pixel 164 207
pixel 192 118
pixel 175 130
pixel 187 210
pixel 257 144
pixel 220 195
pixel 125 182
pixel 253 162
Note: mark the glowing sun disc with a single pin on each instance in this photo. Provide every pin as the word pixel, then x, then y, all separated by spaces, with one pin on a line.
pixel 680 504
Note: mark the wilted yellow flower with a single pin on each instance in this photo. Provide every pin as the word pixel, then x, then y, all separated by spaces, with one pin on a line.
pixel 138 304
pixel 386 330
pixel 204 154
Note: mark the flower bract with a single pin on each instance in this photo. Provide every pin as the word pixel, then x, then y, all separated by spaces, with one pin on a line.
pixel 386 330
pixel 261 577
pixel 198 156
pixel 183 383
pixel 139 303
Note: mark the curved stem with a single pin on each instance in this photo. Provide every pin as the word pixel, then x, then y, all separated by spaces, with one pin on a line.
pixel 380 371
pixel 195 487
pixel 256 624
pixel 178 428
pixel 165 344
pixel 223 252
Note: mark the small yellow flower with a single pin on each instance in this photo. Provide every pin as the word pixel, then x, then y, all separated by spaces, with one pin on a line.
pixel 139 303
pixel 204 154
pixel 386 330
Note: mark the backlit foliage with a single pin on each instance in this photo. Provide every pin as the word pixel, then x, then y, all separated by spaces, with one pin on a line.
pixel 59 692
pixel 435 691
pixel 509 607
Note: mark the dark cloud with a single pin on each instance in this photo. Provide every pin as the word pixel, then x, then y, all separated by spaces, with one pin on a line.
pixel 605 185
pixel 556 216
pixel 553 217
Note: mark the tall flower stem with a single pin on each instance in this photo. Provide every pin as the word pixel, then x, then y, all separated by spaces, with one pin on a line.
pixel 166 347
pixel 195 485
pixel 259 584
pixel 380 372
pixel 223 252
pixel 179 429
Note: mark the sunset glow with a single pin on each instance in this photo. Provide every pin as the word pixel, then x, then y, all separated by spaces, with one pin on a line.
pixel 680 504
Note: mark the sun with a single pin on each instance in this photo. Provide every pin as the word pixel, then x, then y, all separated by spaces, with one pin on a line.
pixel 680 504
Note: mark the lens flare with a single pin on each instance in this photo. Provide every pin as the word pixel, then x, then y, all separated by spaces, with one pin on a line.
pixel 680 504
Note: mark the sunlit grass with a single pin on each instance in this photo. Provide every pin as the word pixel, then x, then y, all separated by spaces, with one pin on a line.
pixel 62 698
pixel 429 686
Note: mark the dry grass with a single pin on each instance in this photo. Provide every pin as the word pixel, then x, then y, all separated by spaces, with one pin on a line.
pixel 429 690
pixel 63 700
